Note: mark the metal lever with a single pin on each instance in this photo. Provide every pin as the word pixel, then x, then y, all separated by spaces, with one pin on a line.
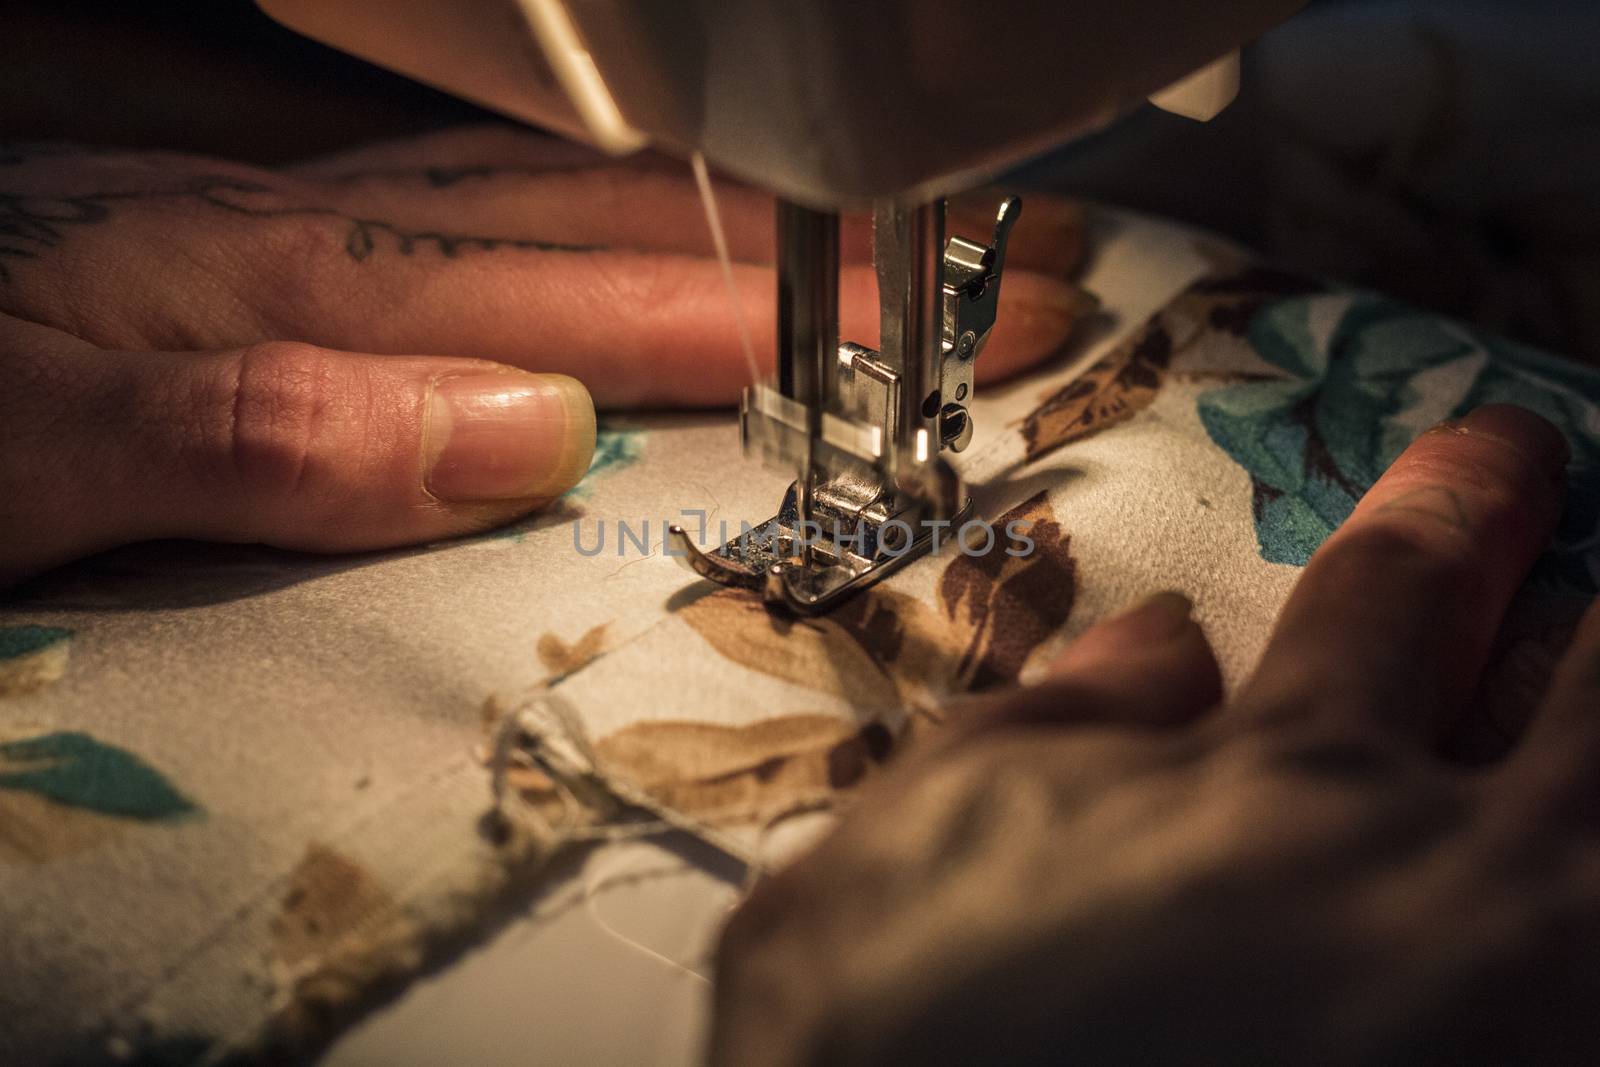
pixel 971 302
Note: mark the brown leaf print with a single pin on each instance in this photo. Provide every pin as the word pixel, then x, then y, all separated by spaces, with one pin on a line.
pixel 1125 382
pixel 885 650
pixel 916 647
pixel 560 658
pixel 337 935
pixel 881 650
pixel 36 830
pixel 821 653
pixel 330 898
pixel 1113 390
pixel 753 772
pixel 1008 605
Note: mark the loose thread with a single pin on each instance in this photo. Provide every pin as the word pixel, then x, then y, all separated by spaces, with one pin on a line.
pixel 708 200
pixel 546 731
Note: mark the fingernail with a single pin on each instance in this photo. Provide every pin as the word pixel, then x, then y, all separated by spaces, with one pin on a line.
pixel 506 435
pixel 1522 430
pixel 1156 618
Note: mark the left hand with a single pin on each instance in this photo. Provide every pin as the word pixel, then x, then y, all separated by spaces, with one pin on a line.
pixel 394 345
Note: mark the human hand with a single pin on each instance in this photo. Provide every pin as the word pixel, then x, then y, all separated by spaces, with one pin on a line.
pixel 383 347
pixel 1114 867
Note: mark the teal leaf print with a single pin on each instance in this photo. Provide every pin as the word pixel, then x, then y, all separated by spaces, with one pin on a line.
pixel 31 657
pixel 17 641
pixel 74 769
pixel 1363 376
pixel 615 448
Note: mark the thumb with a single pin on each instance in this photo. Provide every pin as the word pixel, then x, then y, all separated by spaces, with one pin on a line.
pixel 282 443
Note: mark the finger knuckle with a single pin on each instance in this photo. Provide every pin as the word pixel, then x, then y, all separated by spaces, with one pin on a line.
pixel 1344 781
pixel 1500 495
pixel 296 276
pixel 1433 553
pixel 302 238
pixel 1331 747
pixel 280 393
pixel 653 285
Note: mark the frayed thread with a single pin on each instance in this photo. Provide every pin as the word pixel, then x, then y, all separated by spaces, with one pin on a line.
pixel 596 805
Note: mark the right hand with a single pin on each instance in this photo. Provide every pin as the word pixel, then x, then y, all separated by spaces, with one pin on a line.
pixel 1119 866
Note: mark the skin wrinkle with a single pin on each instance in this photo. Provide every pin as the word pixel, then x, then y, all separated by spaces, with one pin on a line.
pixel 1455 428
pixel 1498 517
pixel 281 391
pixel 1492 470
pixel 190 402
pixel 1494 481
pixel 80 272
pixel 321 378
pixel 434 177
pixel 1432 501
pixel 234 419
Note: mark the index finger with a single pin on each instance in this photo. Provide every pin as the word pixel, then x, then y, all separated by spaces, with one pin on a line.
pixel 1393 618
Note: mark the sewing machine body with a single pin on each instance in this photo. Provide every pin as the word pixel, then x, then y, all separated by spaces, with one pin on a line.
pixel 832 104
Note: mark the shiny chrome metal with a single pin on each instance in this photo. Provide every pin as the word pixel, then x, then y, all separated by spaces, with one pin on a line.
pixel 863 429
pixel 907 243
pixel 808 323
pixel 766 559
pixel 970 301
pixel 868 390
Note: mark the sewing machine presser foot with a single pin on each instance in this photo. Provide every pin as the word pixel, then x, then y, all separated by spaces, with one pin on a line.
pixel 804 569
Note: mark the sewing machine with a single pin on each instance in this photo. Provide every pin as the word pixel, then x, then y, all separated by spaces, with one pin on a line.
pixel 833 105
